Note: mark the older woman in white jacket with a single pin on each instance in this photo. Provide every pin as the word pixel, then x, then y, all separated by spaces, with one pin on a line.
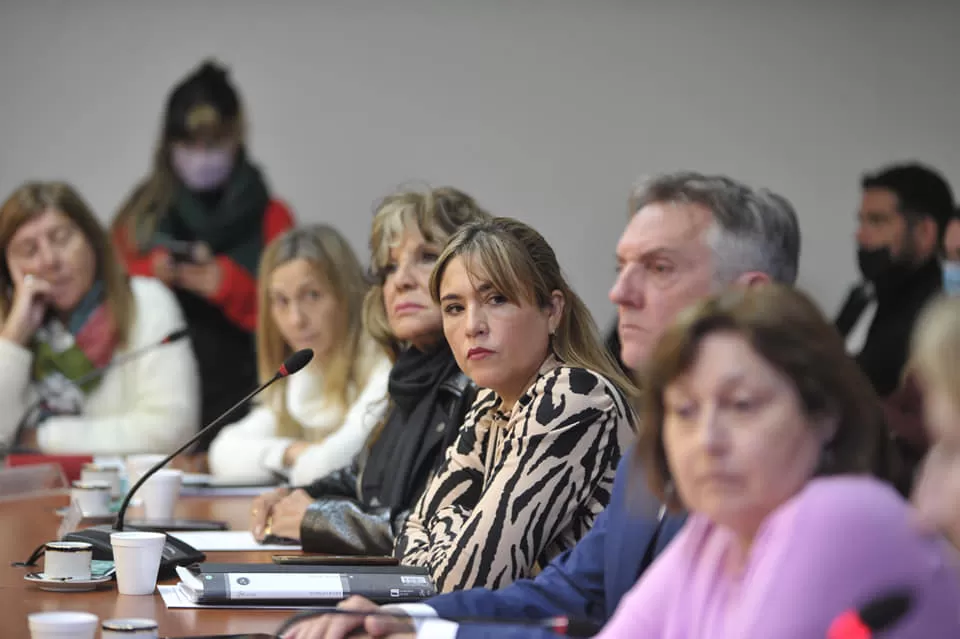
pixel 66 311
pixel 311 289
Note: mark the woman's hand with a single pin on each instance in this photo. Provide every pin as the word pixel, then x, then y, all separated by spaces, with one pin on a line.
pixel 286 515
pixel 293 452
pixel 262 509
pixel 340 626
pixel 163 267
pixel 28 309
pixel 203 278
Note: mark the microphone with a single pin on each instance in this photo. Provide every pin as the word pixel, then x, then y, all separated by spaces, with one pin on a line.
pixel 879 614
pixel 175 552
pixel 559 625
pixel 120 360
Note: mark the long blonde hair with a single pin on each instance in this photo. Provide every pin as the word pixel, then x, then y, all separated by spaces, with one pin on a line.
pixel 521 266
pixel 935 347
pixel 335 264
pixel 33 199
pixel 436 214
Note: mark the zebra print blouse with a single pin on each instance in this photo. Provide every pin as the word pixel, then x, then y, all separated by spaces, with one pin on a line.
pixel 516 489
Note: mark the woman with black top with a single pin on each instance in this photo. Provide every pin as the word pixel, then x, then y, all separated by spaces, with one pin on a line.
pixel 359 510
pixel 199 222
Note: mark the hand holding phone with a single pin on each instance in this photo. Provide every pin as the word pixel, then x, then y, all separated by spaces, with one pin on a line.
pixel 189 252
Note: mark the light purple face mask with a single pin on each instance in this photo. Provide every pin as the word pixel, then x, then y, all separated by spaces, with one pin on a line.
pixel 203 169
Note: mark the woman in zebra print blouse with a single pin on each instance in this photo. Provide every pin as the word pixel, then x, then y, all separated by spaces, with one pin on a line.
pixel 534 461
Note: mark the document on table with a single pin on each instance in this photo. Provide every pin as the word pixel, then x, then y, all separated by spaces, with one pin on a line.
pixel 173 597
pixel 227 540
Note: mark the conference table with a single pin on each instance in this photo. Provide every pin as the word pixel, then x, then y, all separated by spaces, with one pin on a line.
pixel 26 522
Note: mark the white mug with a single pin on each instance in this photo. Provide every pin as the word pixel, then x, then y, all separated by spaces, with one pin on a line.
pixel 67 560
pixel 60 624
pixel 93 497
pixel 110 474
pixel 129 629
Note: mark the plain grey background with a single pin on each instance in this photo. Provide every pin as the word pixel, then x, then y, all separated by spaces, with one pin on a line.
pixel 546 110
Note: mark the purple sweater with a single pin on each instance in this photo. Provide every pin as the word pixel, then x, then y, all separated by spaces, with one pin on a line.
pixel 839 543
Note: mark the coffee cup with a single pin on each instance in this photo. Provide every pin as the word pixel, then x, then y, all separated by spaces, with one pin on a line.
pixel 136 556
pixel 159 494
pixel 62 625
pixel 110 474
pixel 129 629
pixel 93 497
pixel 137 465
pixel 67 560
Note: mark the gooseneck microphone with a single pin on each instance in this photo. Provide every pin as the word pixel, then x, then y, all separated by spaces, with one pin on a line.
pixel 175 552
pixel 97 373
pixel 290 366
pixel 878 615
pixel 560 625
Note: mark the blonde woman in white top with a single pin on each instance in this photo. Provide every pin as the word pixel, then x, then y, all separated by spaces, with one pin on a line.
pixel 311 289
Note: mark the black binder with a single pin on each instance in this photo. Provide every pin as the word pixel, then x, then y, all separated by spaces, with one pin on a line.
pixel 223 584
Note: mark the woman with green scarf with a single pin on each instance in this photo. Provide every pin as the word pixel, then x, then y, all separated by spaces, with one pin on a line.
pixel 199 223
pixel 83 369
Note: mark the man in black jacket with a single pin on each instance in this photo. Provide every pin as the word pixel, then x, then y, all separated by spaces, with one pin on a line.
pixel 904 211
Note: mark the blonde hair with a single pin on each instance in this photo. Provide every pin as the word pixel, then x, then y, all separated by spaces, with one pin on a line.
pixel 335 264
pixel 436 214
pixel 33 199
pixel 520 265
pixel 935 347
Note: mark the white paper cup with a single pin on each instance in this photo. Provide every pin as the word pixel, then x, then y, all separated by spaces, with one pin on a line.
pixel 109 474
pixel 137 465
pixel 93 497
pixel 62 625
pixel 159 494
pixel 67 559
pixel 137 559
pixel 129 629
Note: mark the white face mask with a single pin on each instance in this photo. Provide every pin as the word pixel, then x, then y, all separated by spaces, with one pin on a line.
pixel 203 169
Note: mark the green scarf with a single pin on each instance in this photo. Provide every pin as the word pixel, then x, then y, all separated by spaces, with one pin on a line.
pixel 234 227
pixel 66 354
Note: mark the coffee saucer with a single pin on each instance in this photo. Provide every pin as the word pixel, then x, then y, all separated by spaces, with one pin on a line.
pixel 67 584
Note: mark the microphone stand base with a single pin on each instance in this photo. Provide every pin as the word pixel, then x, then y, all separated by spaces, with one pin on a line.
pixel 175 552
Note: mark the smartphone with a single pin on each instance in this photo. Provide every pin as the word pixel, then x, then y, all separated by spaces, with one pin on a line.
pixel 189 252
pixel 163 525
pixel 336 560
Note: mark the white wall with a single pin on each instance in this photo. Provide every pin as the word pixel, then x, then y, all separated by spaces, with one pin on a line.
pixel 546 110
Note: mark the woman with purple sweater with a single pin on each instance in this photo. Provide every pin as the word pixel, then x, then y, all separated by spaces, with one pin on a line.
pixel 758 424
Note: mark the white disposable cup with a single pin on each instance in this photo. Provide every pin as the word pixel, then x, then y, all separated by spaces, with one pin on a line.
pixel 62 625
pixel 109 474
pixel 137 465
pixel 93 497
pixel 129 629
pixel 136 556
pixel 160 493
pixel 67 560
